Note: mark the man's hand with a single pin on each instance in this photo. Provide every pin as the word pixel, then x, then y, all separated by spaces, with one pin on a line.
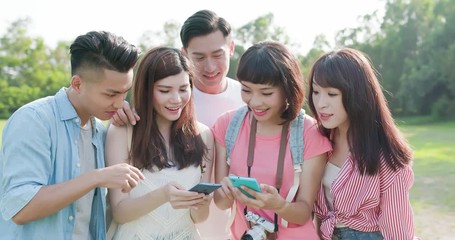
pixel 123 176
pixel 125 115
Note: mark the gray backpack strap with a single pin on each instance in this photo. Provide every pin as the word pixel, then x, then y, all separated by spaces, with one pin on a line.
pixel 233 130
pixel 296 138
pixel 296 147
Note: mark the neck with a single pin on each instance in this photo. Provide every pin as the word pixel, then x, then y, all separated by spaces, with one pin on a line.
pixel 74 100
pixel 164 127
pixel 269 128
pixel 212 90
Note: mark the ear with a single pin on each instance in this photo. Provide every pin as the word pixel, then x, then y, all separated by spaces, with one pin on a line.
pixel 184 52
pixel 76 83
pixel 232 48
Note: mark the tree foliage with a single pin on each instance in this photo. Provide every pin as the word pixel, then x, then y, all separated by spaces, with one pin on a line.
pixel 411 45
pixel 28 68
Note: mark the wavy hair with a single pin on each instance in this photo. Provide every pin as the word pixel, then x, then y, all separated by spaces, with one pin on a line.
pixel 148 148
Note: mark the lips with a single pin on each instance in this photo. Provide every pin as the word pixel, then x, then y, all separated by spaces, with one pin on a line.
pixel 111 113
pixel 173 109
pixel 325 116
pixel 211 76
pixel 259 112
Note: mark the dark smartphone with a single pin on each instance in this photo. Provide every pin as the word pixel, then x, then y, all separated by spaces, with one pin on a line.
pixel 250 183
pixel 205 188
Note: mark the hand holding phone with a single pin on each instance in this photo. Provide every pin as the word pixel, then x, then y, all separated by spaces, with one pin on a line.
pixel 250 183
pixel 205 188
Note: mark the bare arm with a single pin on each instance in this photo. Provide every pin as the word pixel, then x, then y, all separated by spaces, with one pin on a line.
pixel 223 196
pixel 126 208
pixel 297 212
pixel 201 212
pixel 53 198
pixel 310 181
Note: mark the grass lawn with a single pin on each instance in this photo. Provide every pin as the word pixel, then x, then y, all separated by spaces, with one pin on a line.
pixel 433 193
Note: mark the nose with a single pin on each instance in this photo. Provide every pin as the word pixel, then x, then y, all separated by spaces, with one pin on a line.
pixel 175 97
pixel 320 101
pixel 210 65
pixel 118 101
pixel 254 101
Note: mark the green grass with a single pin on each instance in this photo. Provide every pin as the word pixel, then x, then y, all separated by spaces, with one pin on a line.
pixel 432 195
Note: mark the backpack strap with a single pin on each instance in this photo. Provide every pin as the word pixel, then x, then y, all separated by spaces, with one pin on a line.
pixel 296 144
pixel 296 139
pixel 233 129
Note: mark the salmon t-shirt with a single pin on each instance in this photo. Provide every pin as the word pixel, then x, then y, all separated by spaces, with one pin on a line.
pixel 264 169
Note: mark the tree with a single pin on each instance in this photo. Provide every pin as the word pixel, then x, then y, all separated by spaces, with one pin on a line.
pixel 169 36
pixel 28 68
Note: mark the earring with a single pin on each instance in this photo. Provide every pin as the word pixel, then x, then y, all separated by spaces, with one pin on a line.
pixel 287 104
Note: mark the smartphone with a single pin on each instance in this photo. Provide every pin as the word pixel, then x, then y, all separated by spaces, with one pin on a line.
pixel 205 188
pixel 250 183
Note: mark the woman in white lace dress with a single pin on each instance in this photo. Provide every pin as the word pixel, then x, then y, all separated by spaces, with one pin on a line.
pixel 171 148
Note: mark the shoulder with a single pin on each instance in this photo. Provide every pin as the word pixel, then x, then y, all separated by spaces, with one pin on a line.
pixel 225 117
pixel 310 125
pixel 204 131
pixel 38 112
pixel 233 85
pixel 389 177
pixel 202 127
pixel 232 82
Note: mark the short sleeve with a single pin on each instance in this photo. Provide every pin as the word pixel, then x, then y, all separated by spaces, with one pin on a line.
pixel 26 160
pixel 220 127
pixel 314 142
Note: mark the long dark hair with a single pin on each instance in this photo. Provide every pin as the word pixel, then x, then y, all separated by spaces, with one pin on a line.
pixel 148 148
pixel 272 63
pixel 372 132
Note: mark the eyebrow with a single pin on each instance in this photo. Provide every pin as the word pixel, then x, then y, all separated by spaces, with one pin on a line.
pixel 118 92
pixel 264 88
pixel 166 86
pixel 214 52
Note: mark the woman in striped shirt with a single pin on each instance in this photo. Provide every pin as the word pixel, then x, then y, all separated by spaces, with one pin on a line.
pixel 365 189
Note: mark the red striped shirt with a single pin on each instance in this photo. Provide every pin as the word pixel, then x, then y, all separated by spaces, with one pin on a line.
pixel 369 203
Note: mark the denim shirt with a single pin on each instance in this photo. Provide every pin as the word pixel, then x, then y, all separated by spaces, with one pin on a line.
pixel 39 149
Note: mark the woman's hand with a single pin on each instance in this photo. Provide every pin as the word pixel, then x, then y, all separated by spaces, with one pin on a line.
pixel 268 198
pixel 181 198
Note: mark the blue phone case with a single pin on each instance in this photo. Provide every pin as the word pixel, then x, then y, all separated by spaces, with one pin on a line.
pixel 250 183
pixel 205 188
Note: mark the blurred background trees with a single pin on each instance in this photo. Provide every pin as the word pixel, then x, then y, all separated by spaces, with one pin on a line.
pixel 412 47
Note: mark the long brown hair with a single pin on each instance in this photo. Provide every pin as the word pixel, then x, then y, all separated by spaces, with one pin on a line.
pixel 148 148
pixel 372 132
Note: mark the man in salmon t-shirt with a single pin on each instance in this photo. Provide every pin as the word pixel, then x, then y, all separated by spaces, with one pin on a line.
pixel 207 42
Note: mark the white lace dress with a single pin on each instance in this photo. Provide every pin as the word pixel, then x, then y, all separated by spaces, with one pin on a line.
pixel 165 222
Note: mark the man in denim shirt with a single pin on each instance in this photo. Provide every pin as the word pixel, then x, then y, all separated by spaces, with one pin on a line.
pixel 52 171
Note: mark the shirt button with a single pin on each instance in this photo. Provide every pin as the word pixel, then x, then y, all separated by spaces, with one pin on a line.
pixel 78 165
pixel 70 218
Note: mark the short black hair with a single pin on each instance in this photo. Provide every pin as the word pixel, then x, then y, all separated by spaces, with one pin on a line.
pixel 102 50
pixel 202 23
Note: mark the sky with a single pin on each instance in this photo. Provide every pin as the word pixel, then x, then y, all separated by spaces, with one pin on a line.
pixel 63 20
